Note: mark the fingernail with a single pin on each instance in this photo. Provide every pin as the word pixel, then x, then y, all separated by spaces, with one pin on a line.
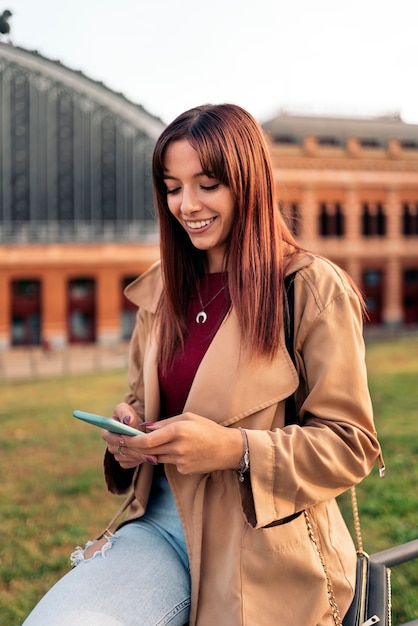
pixel 126 419
pixel 146 424
pixel 121 442
pixel 151 460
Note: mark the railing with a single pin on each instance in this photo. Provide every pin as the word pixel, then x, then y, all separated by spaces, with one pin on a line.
pixel 396 556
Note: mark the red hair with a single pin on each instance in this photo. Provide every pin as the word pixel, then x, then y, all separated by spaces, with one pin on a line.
pixel 231 147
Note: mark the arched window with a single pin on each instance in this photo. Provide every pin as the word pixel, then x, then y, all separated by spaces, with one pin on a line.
pixel 373 220
pixel 380 221
pixel 331 220
pixel 409 220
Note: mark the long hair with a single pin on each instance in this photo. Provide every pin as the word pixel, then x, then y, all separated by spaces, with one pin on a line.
pixel 231 146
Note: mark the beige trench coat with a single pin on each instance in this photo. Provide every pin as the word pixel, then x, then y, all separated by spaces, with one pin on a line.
pixel 246 569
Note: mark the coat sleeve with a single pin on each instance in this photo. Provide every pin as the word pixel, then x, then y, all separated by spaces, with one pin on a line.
pixel 296 467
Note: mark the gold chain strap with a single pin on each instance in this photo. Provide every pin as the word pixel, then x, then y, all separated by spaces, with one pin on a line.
pixel 356 521
pixel 388 575
pixel 357 528
pixel 330 590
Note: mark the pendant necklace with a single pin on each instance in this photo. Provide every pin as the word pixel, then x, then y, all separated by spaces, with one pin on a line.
pixel 202 316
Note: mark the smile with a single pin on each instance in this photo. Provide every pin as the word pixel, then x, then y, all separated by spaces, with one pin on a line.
pixel 200 224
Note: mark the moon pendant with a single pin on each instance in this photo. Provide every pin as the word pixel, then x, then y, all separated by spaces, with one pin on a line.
pixel 201 317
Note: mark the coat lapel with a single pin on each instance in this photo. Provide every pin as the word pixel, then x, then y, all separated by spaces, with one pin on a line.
pixel 228 386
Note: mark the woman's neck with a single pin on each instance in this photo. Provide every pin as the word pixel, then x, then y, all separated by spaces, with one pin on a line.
pixel 215 262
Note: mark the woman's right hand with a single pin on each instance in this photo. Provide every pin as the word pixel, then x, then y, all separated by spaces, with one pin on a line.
pixel 126 414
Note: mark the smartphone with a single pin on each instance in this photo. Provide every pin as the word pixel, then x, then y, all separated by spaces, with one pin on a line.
pixel 109 424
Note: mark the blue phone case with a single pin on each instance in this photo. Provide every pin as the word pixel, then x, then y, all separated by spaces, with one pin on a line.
pixel 109 424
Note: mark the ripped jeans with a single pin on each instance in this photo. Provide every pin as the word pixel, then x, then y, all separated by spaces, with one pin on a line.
pixel 142 579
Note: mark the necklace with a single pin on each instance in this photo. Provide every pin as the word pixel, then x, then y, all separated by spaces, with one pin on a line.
pixel 202 316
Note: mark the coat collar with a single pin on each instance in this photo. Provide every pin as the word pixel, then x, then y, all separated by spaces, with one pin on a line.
pixel 145 291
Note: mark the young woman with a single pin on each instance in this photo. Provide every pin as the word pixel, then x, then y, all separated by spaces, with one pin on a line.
pixel 216 532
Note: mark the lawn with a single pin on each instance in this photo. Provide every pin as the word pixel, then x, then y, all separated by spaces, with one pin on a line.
pixel 52 496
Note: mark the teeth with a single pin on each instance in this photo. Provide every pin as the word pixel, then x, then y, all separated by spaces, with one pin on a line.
pixel 196 225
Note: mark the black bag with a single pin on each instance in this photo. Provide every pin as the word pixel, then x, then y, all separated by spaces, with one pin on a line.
pixel 372 599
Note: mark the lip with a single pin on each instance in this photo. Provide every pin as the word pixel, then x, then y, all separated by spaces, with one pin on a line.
pixel 198 226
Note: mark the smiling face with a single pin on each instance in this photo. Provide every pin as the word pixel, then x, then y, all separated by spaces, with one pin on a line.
pixel 202 204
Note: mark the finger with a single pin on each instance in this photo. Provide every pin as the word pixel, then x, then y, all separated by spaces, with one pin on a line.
pixel 124 455
pixel 130 458
pixel 164 422
pixel 124 413
pixel 111 438
pixel 152 442
pixel 120 451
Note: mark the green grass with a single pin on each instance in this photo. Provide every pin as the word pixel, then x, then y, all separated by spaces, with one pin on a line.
pixel 52 495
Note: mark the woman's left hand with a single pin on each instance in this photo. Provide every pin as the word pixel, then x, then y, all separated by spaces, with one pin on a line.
pixel 194 444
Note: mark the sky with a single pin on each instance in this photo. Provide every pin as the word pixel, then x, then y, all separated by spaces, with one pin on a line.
pixel 352 58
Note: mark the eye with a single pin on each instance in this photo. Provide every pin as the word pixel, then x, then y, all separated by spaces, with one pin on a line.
pixel 171 191
pixel 210 187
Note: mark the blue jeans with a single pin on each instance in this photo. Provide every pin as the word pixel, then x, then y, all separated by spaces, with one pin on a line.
pixel 142 580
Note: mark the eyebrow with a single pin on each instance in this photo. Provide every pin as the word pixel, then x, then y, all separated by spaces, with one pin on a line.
pixel 201 173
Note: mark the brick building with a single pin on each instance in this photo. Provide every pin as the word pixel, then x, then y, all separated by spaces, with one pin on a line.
pixel 350 190
pixel 77 221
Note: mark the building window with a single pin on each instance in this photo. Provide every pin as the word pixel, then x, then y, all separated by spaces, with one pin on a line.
pixel 372 287
pixel 329 140
pixel 81 310
pixel 331 220
pixel 409 220
pixel 373 220
pixel 109 173
pixel 369 142
pixel 288 140
pixel 26 312
pixel 409 144
pixel 19 146
pixel 65 156
pixel 410 295
pixel 128 310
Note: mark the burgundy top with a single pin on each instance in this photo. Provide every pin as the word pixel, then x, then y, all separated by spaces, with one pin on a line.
pixel 175 384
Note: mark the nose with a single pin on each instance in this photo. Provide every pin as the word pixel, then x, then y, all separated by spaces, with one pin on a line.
pixel 189 202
